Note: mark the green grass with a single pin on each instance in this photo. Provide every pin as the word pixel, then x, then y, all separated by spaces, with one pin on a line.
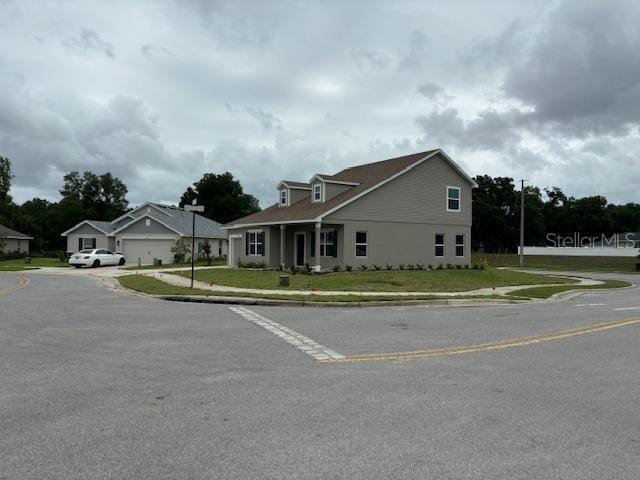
pixel 546 292
pixel 153 286
pixel 201 263
pixel 20 264
pixel 551 262
pixel 376 281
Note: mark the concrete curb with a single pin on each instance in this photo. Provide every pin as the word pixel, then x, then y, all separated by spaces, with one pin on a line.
pixel 303 303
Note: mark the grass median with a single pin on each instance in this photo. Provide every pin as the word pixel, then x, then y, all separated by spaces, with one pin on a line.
pixel 377 281
pixel 153 286
pixel 565 263
pixel 548 291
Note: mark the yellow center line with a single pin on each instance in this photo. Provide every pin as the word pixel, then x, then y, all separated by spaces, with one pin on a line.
pixel 21 284
pixel 508 343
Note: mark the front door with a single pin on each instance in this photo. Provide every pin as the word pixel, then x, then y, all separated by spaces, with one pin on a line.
pixel 300 247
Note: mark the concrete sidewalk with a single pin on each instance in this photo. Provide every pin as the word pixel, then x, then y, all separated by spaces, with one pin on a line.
pixel 181 281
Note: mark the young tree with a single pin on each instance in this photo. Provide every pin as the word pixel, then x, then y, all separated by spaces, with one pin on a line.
pixel 206 251
pixel 181 250
pixel 222 197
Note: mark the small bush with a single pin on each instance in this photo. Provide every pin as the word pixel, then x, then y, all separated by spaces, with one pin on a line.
pixel 363 267
pixel 401 266
pixel 420 266
pixel 439 267
pixel 411 266
pixel 337 268
pixel 348 268
pixel 458 267
pixel 377 267
pixel 389 267
pixel 466 266
pixel 430 267
pixel 449 266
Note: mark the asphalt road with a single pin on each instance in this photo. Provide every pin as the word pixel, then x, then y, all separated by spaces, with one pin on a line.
pixel 98 384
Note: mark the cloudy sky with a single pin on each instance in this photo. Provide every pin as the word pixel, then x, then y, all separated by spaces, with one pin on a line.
pixel 160 92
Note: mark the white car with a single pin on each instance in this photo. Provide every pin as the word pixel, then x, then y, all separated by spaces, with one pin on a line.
pixel 96 257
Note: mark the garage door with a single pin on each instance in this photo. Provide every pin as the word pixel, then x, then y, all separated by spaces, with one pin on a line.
pixel 146 250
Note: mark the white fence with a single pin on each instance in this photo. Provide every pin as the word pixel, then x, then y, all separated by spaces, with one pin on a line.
pixel 582 251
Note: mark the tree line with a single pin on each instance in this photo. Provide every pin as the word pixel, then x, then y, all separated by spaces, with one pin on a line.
pixel 496 209
pixel 496 215
pixel 91 196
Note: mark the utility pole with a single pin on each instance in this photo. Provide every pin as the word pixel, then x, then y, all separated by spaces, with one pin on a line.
pixel 193 209
pixel 522 223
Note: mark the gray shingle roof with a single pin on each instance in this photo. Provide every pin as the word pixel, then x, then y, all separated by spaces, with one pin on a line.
pixel 181 221
pixel 11 233
pixel 104 226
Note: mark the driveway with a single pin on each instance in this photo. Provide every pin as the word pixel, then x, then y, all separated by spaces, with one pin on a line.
pixel 100 384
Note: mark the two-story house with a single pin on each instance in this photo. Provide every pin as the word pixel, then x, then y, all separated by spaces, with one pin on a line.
pixel 414 209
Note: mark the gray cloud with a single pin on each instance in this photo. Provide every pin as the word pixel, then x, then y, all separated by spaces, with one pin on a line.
pixel 272 90
pixel 88 41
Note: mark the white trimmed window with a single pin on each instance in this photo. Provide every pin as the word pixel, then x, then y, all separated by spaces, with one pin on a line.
pixel 328 243
pixel 459 245
pixel 439 244
pixel 88 243
pixel 362 244
pixel 283 197
pixel 255 243
pixel 317 192
pixel 453 199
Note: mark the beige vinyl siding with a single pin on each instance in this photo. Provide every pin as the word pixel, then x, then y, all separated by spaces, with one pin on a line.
pixel 297 195
pixel 418 196
pixel 411 243
pixel 333 189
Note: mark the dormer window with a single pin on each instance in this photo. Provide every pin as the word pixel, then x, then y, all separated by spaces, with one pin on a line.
pixel 317 192
pixel 283 197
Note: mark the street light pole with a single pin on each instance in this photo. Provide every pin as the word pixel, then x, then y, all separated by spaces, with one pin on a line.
pixel 193 209
pixel 522 223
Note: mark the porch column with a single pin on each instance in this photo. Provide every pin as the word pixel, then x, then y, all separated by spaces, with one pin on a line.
pixel 317 266
pixel 283 229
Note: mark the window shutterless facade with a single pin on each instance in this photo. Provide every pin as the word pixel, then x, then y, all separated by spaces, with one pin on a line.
pixel 362 244
pixel 87 243
pixel 283 198
pixel 453 199
pixel 459 245
pixel 439 244
pixel 317 192
pixel 255 243
pixel 327 243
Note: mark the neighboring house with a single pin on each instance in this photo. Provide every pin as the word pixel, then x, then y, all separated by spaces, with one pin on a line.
pixel 14 241
pixel 147 232
pixel 414 209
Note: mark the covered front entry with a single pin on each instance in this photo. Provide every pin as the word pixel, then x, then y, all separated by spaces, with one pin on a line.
pixel 300 249
pixel 147 249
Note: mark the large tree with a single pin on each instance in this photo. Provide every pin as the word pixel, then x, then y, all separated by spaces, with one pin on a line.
pixel 5 179
pixel 102 197
pixel 222 197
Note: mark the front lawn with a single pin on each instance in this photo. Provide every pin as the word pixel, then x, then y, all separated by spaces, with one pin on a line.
pixel 377 281
pixel 20 264
pixel 567 263
pixel 200 263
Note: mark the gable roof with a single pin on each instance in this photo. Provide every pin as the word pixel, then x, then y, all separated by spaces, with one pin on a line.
pixel 295 185
pixel 180 221
pixel 103 227
pixel 368 177
pixel 6 232
pixel 174 218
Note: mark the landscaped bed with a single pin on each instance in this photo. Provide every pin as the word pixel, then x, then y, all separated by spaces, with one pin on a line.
pixel 377 281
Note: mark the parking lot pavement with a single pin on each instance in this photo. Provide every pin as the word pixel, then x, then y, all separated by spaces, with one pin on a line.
pixel 98 384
